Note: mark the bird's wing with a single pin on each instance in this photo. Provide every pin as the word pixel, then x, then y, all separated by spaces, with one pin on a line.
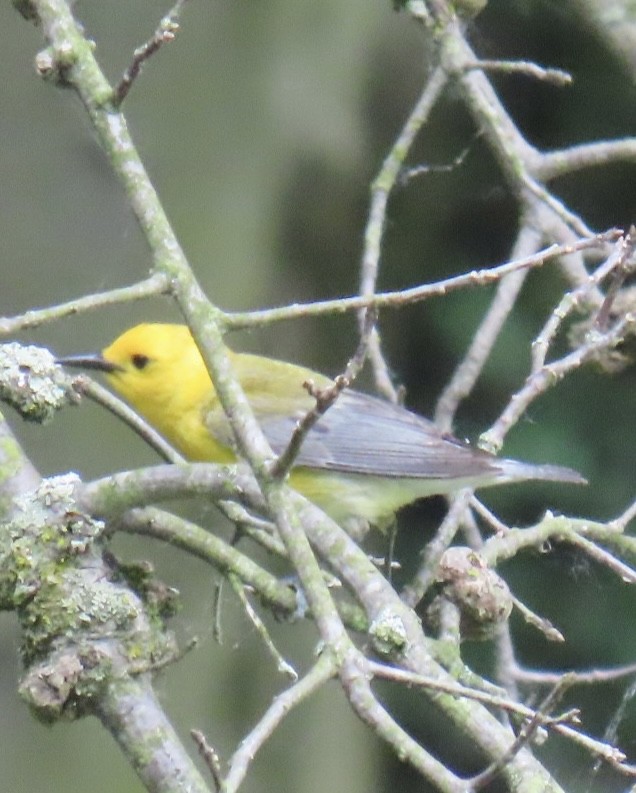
pixel 367 435
pixel 363 434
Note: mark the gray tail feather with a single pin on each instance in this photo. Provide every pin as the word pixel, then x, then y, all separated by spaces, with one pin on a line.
pixel 515 470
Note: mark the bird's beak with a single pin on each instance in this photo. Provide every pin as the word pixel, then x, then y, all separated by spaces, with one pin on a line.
pixel 92 361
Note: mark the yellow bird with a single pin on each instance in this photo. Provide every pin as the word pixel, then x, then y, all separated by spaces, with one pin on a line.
pixel 364 458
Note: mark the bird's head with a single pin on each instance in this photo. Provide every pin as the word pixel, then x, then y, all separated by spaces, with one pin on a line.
pixel 150 365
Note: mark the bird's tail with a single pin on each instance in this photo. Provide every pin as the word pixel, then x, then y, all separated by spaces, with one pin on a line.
pixel 516 471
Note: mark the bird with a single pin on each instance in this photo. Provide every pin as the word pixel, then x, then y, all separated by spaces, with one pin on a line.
pixel 363 459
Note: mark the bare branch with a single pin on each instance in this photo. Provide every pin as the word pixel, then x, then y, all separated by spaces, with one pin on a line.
pixel 588 155
pixel 324 669
pixel 468 371
pixel 381 189
pixel 551 633
pixel 549 75
pixel 193 539
pixel 525 736
pixel 210 756
pixel 370 710
pixel 490 275
pixel 415 590
pixel 418 170
pixel 156 284
pixel 547 377
pixel 89 388
pixel 283 666
pixel 572 301
pixel 165 33
pixel 622 521
pixel 600 555
pixel 592 677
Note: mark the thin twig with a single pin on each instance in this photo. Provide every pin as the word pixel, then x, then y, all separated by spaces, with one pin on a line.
pixel 425 575
pixel 398 299
pixel 622 521
pixel 467 372
pixel 217 621
pixel 525 736
pixel 152 522
pixel 498 548
pixel 282 665
pixel 540 717
pixel 549 75
pixel 600 555
pixel 571 219
pixel 281 706
pixel 497 701
pixel 470 526
pixel 623 269
pixel 381 189
pixel 572 301
pixel 610 754
pixel 156 284
pixel 587 155
pixel 354 676
pixel 325 398
pixel 418 170
pixel 165 33
pixel 491 519
pixel 253 526
pixel 210 757
pixel 506 662
pixel 545 378
pixel 591 677
pixel 265 538
pixel 89 388
pixel 540 623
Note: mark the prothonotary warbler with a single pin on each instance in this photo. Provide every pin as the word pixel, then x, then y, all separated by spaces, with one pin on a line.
pixel 364 458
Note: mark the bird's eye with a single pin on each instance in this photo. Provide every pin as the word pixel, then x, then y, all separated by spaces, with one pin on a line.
pixel 140 361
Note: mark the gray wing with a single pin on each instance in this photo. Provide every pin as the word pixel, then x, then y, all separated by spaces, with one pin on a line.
pixel 367 435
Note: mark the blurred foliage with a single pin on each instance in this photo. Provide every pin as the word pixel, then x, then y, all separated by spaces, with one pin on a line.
pixel 262 126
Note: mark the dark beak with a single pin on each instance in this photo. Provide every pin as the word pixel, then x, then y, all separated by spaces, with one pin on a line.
pixel 95 361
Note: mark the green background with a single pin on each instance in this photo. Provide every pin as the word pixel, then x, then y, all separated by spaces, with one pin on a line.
pixel 262 127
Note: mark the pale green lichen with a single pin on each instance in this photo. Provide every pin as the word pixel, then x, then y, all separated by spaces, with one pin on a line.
pixel 32 382
pixel 46 531
pixel 81 620
pixel 388 634
pixel 54 491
